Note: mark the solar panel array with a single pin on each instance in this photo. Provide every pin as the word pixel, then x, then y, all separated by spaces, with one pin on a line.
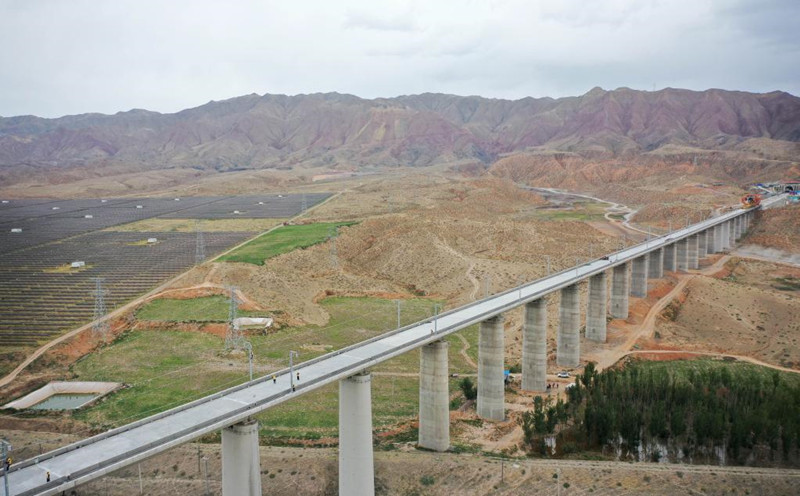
pixel 40 299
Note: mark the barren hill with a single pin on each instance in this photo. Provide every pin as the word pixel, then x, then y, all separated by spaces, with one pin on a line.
pixel 346 132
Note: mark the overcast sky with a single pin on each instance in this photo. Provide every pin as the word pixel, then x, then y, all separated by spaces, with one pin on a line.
pixel 74 56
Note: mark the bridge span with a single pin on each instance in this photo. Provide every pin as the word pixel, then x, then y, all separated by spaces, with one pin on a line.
pixel 231 410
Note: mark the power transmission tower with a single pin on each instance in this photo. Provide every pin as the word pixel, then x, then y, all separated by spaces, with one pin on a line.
pixel 332 235
pixel 305 203
pixel 200 247
pixel 100 327
pixel 233 338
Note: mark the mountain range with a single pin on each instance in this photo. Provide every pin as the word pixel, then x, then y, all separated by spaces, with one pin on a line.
pixel 338 131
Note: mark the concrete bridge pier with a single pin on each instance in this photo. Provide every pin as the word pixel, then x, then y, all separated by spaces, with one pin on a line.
pixel 725 232
pixel 713 239
pixel 597 307
pixel 619 292
pixel 434 397
pixel 491 389
pixel 356 465
pixel 568 350
pixel 241 469
pixel 682 247
pixel 534 346
pixel 670 260
pixel 693 251
pixel 702 244
pixel 732 233
pixel 639 276
pixel 656 268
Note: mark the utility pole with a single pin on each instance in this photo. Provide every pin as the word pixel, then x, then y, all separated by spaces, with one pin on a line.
pixel 141 484
pixel 436 309
pixel 205 465
pixel 398 313
pixel 5 446
pixel 292 354
pixel 547 257
pixel 249 348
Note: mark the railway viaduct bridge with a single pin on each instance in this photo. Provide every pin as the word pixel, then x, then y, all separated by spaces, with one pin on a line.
pixel 231 410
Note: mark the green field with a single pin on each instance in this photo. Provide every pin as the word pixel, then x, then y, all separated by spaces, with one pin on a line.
pixel 282 240
pixel 207 309
pixel 168 368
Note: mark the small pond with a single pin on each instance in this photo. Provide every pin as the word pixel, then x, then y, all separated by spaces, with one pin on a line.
pixel 64 401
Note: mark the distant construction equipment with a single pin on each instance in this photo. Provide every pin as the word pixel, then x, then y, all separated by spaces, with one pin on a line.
pixel 751 200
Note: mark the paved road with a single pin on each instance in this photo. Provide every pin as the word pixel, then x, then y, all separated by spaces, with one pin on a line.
pixel 94 457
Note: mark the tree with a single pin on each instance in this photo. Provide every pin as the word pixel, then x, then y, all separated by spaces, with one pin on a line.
pixel 468 388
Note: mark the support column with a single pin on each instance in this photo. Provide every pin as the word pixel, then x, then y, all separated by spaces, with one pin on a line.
pixel 534 346
pixel 713 240
pixel 683 255
pixel 491 389
pixel 656 268
pixel 241 470
pixel 670 260
pixel 639 276
pixel 568 350
pixel 737 227
pixel 731 233
pixel 702 247
pixel 717 239
pixel 597 308
pixel 725 234
pixel 619 292
pixel 693 252
pixel 434 397
pixel 356 465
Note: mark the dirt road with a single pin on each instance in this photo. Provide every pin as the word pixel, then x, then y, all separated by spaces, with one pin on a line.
pixel 130 306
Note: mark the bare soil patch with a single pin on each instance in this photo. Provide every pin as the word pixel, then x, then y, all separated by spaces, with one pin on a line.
pixel 738 311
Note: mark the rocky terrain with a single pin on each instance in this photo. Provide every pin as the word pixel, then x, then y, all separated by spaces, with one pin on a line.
pixel 600 137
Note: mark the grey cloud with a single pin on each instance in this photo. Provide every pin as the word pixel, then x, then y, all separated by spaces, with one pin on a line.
pixel 363 20
pixel 88 56
pixel 775 21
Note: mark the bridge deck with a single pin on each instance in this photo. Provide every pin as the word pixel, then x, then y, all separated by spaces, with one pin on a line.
pixel 93 457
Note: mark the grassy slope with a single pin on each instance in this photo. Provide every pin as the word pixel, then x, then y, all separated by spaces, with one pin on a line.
pixel 281 240
pixel 169 368
pixel 207 309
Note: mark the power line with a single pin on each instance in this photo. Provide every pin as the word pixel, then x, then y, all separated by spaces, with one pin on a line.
pixel 100 326
pixel 333 233
pixel 234 340
pixel 200 246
